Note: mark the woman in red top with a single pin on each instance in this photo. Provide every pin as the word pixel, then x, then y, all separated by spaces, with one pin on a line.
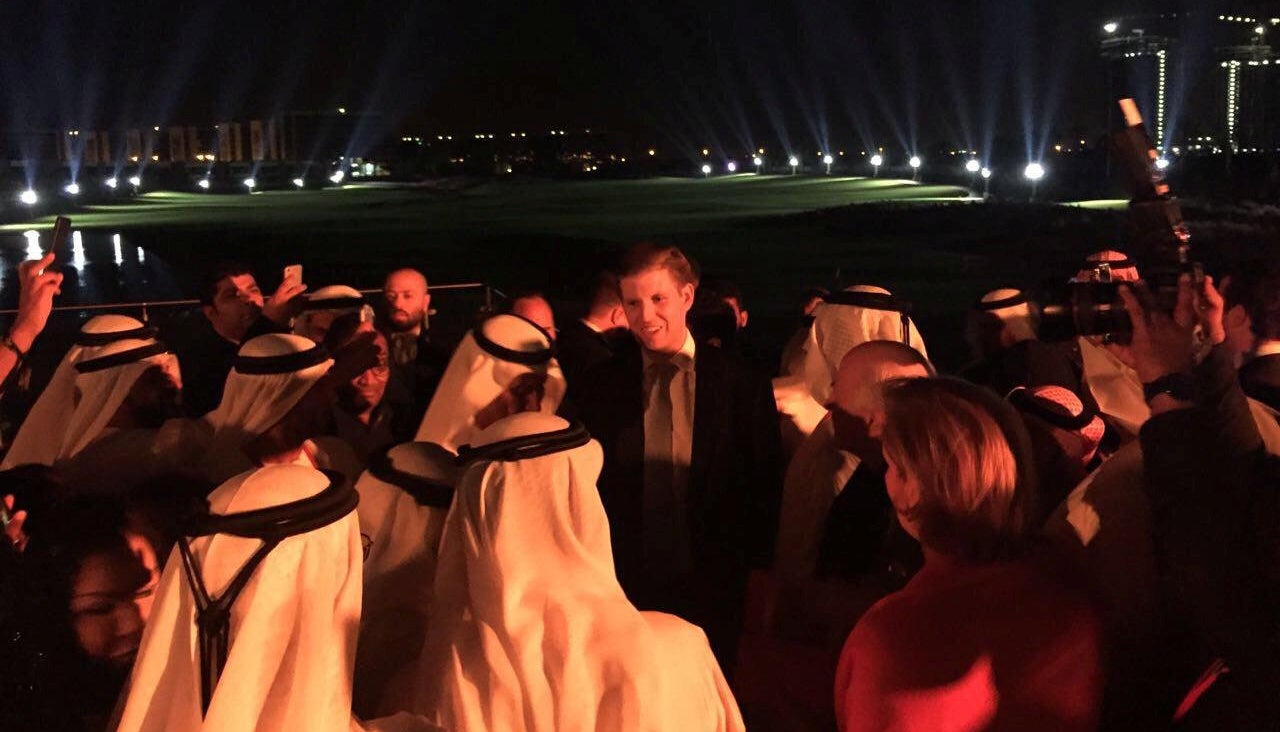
pixel 986 636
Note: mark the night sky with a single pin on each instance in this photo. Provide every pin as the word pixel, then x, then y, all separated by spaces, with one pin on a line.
pixel 721 73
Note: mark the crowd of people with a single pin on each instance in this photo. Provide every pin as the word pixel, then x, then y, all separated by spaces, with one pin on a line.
pixel 307 513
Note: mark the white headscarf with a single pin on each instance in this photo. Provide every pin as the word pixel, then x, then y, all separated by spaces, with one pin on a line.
pixel 531 630
pixel 485 364
pixel 336 299
pixel 36 441
pixel 402 535
pixel 252 403
pixel 101 388
pixel 1017 317
pixel 838 328
pixel 292 629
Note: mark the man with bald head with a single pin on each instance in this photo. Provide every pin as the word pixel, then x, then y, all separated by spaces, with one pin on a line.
pixel 862 532
pixel 416 362
pixel 533 307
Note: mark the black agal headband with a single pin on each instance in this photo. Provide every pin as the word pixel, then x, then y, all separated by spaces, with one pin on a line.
pixel 528 446
pixel 271 525
pixel 875 301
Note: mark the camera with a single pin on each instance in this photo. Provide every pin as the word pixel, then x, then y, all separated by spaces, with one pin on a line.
pixel 1090 305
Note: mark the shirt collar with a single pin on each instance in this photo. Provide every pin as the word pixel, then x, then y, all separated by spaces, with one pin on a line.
pixel 683 359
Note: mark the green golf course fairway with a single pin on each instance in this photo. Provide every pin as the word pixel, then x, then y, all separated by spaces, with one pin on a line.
pixel 773 235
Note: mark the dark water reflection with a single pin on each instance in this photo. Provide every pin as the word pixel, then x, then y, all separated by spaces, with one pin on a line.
pixel 105 267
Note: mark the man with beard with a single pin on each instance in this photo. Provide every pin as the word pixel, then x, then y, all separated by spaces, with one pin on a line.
pixel 234 311
pixel 416 363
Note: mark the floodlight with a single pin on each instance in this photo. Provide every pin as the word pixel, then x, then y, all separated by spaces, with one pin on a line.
pixel 135 181
pixel 1033 171
pixel 250 183
pixel 973 165
pixel 111 183
pixel 29 197
pixel 203 183
pixel 1162 163
pixel 877 160
pixel 298 182
pixel 914 161
pixel 706 169
pixel 793 162
pixel 338 176
pixel 757 161
pixel 985 173
pixel 1111 27
pixel 1260 30
pixel 827 160
pixel 72 189
pixel 732 167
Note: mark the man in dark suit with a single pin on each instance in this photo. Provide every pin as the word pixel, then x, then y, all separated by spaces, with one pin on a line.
pixel 1252 324
pixel 417 362
pixel 692 474
pixel 585 343
pixel 233 311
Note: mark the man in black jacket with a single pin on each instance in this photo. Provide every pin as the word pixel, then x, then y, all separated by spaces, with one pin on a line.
pixel 585 343
pixel 691 480
pixel 233 312
pixel 1252 327
pixel 1213 495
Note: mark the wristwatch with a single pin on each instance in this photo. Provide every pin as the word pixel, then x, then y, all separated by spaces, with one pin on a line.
pixel 1179 386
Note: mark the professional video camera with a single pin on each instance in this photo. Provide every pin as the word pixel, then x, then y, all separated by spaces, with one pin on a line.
pixel 1157 236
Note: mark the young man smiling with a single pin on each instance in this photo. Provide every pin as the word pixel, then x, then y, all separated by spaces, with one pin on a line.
pixel 691 480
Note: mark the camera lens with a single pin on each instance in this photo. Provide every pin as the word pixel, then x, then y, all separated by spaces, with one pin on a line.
pixel 1074 309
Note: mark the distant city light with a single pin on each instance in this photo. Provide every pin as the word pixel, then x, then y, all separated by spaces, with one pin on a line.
pixel 135 181
pixel 342 110
pixel 973 165
pixel 706 169
pixel 652 152
pixel 28 197
pixel 1260 30
pixel 914 161
pixel 203 183
pixel 111 183
pixel 298 182
pixel 1111 27
pixel 877 160
pixel 705 152
pixel 732 167
pixel 250 183
pixel 1162 163
pixel 337 177
pixel 1033 171
pixel 985 173
pixel 72 189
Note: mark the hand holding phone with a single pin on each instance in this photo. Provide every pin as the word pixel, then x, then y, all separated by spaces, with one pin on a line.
pixel 58 244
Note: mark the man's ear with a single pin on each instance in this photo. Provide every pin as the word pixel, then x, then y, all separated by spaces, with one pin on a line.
pixel 208 311
pixel 687 293
pixel 1236 317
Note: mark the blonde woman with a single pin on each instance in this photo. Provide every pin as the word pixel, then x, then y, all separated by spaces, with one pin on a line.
pixel 986 635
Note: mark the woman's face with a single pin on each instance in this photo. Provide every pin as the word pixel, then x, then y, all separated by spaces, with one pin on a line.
pixel 111 595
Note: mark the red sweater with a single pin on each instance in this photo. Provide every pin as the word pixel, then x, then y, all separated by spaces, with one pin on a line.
pixel 1001 646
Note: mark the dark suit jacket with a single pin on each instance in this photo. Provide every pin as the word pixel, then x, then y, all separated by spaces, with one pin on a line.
pixel 734 482
pixel 1260 378
pixel 580 349
pixel 205 359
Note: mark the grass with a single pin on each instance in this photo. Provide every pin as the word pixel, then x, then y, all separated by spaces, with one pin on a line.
pixel 772 235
